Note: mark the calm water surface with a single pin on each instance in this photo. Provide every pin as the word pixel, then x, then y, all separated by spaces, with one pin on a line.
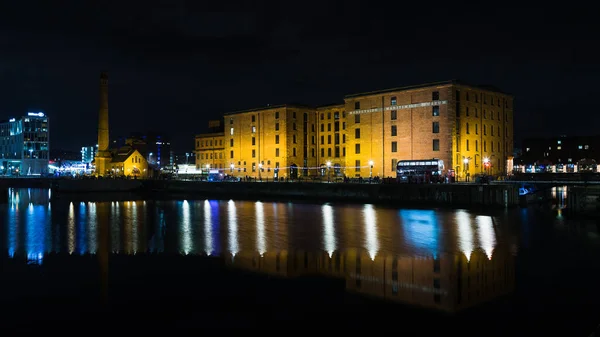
pixel 447 260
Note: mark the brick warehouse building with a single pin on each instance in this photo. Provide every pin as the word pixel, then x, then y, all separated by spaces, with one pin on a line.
pixel 463 125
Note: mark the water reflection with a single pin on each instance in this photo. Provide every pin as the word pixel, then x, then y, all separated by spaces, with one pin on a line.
pixel 447 282
pixel 408 255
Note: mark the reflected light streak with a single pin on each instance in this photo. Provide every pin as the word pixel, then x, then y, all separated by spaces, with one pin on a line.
pixel 465 233
pixel 135 240
pixel 71 228
pixel 35 235
pixel 328 229
pixel 208 243
pixel 371 230
pixel 261 245
pixel 81 229
pixel 421 229
pixel 93 228
pixel 186 231
pixel 234 247
pixel 486 234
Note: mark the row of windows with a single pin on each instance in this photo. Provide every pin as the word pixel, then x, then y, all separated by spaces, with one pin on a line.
pixel 498 133
pixel 208 143
pixel 485 114
pixel 493 100
pixel 394 146
pixel 467 147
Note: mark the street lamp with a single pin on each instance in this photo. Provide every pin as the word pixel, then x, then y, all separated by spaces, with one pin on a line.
pixel 486 164
pixel 466 162
pixel 328 171
pixel 370 169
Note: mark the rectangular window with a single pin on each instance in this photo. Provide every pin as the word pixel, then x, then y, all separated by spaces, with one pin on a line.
pixel 337 152
pixel 328 152
pixel 394 164
pixel 294 139
pixel 254 129
pixel 435 96
pixel 322 152
pixel 467 144
pixel 394 146
pixel 231 131
pixel 253 153
pixel 337 139
pixel 435 110
pixel 357 148
pixel 394 115
pixel 436 145
pixel 231 142
pixel 253 141
pixel 253 167
pixel 277 152
pixel 276 114
pixel 231 154
pixel 294 152
pixel 322 127
pixel 276 139
pixel 322 140
pixel 336 127
pixel 356 105
pixel 357 164
pixel 294 126
pixel 357 133
pixel 436 127
pixel 253 118
pixel 394 130
pixel 393 100
pixel 328 139
pixel 276 126
pixel 356 118
pixel 328 127
pixel 343 152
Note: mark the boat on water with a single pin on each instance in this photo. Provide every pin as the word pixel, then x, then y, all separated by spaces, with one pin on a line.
pixel 96 185
pixel 527 189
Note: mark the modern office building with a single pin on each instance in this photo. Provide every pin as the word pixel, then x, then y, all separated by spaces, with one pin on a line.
pixel 469 127
pixel 25 145
pixel 88 153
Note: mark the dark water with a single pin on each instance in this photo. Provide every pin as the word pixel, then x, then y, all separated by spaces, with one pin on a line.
pixel 239 264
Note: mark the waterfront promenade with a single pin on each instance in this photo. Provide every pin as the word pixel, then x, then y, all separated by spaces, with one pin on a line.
pixel 426 195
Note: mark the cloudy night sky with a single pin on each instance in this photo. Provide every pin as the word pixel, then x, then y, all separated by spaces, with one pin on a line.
pixel 176 64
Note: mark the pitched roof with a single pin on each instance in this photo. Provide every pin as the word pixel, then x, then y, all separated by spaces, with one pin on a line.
pixel 122 154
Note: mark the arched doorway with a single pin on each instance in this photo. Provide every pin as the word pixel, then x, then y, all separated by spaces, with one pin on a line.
pixel 135 172
pixel 323 170
pixel 337 170
pixel 293 171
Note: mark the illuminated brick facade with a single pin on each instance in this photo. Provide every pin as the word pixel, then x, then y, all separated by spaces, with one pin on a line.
pixel 210 151
pixel 469 128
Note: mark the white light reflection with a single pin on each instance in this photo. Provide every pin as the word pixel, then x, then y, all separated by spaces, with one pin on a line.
pixel 487 236
pixel 93 228
pixel 135 240
pixel 234 247
pixel 465 233
pixel 186 231
pixel 261 245
pixel 71 228
pixel 371 230
pixel 328 229
pixel 208 243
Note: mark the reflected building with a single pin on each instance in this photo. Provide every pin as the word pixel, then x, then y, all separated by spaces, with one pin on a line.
pixel 448 282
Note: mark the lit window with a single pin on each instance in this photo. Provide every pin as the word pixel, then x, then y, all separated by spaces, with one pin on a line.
pixel 231 131
pixel 558 142
pixel 254 129
pixel 587 147
pixel 580 147
pixel 527 150
pixel 559 147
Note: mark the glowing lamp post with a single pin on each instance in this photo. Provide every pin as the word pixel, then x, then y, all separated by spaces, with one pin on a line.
pixel 466 168
pixel 486 164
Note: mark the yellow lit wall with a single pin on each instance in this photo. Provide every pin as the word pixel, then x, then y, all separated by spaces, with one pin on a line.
pixel 411 123
pixel 209 151
pixel 135 165
pixel 273 138
pixel 330 137
pixel 485 131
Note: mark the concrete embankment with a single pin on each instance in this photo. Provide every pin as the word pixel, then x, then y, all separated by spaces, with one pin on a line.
pixel 458 195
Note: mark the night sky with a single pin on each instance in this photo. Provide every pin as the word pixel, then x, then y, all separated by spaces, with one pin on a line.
pixel 176 64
